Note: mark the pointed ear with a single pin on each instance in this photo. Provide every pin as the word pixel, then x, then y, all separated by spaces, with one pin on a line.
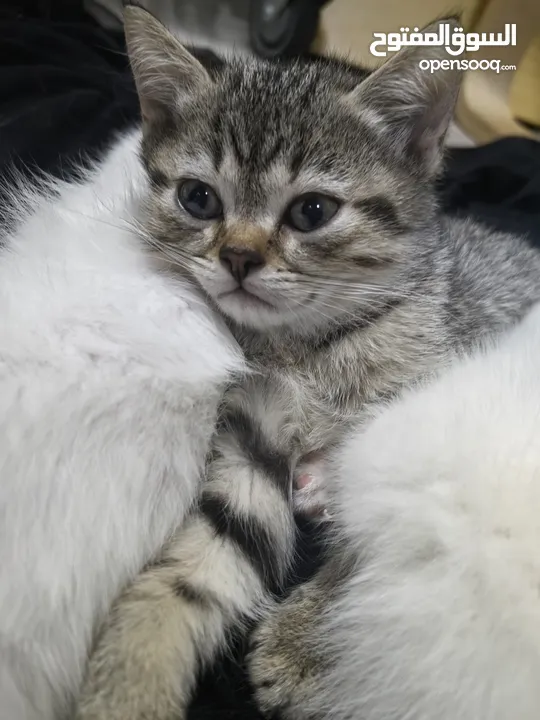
pixel 413 98
pixel 165 72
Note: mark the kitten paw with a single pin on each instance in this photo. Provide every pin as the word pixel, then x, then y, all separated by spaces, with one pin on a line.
pixel 283 663
pixel 310 494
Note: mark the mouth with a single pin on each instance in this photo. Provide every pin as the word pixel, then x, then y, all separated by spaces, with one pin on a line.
pixel 247 299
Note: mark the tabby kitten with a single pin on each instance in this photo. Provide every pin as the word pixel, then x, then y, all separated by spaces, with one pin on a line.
pixel 300 197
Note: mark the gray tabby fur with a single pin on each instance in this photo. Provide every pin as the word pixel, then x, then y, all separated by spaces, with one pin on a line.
pixel 347 315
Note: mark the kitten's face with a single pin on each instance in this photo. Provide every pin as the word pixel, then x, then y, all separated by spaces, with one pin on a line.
pixel 283 199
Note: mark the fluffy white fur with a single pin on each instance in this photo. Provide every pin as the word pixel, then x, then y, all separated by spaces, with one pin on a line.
pixel 441 495
pixel 110 375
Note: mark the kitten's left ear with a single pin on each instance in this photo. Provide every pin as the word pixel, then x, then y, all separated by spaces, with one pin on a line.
pixel 413 103
pixel 165 72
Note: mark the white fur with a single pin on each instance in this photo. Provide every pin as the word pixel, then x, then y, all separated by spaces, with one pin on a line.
pixel 109 378
pixel 441 495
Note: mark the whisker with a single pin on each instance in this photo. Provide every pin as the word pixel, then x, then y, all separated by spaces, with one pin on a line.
pixel 346 290
pixel 177 257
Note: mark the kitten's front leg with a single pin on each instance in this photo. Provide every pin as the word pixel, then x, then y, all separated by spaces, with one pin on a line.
pixel 288 656
pixel 161 629
pixel 219 571
pixel 284 663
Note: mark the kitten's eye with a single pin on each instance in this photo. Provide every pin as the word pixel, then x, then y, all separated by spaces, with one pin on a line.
pixel 310 212
pixel 199 200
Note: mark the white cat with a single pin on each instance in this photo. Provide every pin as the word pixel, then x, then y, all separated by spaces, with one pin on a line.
pixel 110 374
pixel 441 495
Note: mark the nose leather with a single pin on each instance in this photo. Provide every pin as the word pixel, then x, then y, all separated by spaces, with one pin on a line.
pixel 240 261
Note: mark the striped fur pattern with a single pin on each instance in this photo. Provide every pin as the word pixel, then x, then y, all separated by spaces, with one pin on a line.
pixel 331 322
pixel 216 575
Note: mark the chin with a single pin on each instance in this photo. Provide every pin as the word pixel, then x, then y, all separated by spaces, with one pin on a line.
pixel 249 311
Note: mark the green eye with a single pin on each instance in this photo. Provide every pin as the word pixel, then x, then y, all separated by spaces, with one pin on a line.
pixel 199 199
pixel 310 212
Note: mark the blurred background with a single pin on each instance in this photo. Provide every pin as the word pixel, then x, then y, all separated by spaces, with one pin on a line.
pixel 491 105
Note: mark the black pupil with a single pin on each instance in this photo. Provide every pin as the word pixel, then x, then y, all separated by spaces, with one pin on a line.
pixel 199 196
pixel 313 211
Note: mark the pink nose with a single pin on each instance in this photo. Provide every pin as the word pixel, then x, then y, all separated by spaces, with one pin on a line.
pixel 240 261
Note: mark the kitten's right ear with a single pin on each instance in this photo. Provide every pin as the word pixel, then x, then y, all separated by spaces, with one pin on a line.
pixel 412 96
pixel 165 72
